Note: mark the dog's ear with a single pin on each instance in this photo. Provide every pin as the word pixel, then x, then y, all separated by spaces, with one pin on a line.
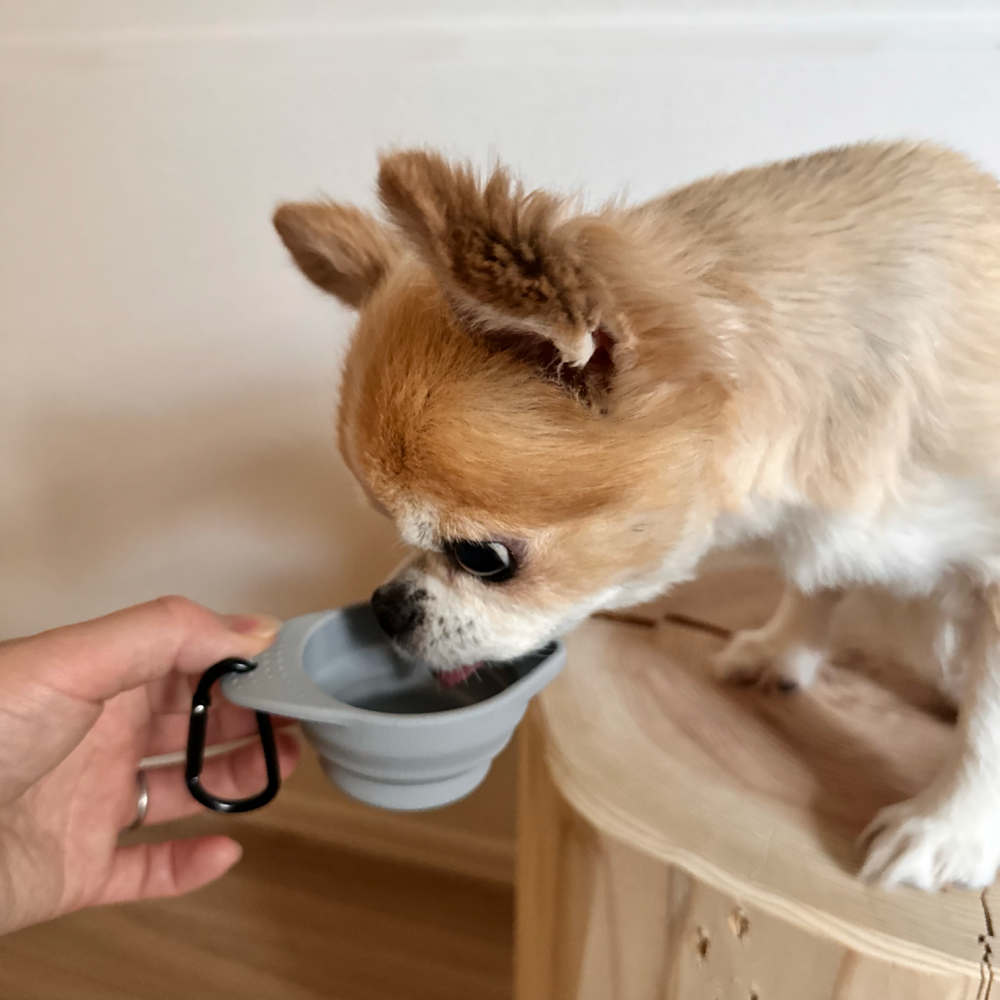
pixel 339 248
pixel 504 256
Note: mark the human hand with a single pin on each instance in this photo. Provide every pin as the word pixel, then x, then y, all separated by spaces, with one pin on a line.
pixel 80 707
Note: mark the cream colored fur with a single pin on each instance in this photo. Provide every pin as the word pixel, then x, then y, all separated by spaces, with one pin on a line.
pixel 806 352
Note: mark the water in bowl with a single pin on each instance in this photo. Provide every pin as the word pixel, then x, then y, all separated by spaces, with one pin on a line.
pixel 416 701
pixel 427 696
pixel 356 664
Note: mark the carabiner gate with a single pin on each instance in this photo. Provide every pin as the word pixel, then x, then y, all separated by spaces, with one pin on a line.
pixel 196 744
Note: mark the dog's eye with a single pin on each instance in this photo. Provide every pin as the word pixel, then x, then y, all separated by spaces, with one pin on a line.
pixel 490 561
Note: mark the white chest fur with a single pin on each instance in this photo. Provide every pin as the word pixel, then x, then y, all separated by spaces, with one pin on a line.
pixel 906 544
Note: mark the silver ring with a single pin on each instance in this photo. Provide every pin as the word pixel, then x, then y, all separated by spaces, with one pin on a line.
pixel 142 801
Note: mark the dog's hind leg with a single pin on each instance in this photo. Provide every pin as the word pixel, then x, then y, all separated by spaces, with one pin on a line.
pixel 788 651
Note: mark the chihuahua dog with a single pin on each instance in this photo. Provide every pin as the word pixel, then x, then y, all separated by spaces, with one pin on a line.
pixel 565 410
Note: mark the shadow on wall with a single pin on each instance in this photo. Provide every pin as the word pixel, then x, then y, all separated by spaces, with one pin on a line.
pixel 240 501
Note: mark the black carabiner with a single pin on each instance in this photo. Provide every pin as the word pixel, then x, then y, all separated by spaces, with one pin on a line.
pixel 196 744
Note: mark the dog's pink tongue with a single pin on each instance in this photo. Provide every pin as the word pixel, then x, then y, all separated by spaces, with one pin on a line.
pixel 449 678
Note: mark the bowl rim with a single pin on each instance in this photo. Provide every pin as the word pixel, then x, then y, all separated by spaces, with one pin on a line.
pixel 291 643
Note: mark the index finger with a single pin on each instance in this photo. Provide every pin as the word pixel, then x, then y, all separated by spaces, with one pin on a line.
pixel 96 660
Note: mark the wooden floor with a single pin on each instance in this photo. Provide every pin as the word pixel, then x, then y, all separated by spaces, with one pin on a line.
pixel 295 919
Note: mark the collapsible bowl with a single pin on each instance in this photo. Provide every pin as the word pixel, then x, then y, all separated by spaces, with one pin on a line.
pixel 386 731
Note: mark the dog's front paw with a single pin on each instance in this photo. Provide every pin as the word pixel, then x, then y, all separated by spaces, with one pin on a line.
pixel 931 848
pixel 756 658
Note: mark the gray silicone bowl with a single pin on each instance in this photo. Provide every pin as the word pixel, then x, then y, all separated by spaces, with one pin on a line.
pixel 387 733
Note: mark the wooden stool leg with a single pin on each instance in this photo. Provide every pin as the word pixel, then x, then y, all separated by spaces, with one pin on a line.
pixel 544 822
pixel 600 920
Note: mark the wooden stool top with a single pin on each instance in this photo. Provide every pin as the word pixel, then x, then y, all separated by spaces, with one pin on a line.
pixel 761 795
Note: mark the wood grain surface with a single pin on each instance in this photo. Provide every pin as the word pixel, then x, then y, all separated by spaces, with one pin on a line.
pixel 653 797
pixel 295 920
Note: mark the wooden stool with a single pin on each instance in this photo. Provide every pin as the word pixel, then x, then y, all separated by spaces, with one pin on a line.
pixel 683 840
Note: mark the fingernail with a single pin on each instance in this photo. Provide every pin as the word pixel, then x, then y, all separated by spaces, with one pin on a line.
pixel 262 626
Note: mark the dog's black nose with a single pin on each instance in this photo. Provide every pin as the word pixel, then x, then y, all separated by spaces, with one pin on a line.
pixel 398 608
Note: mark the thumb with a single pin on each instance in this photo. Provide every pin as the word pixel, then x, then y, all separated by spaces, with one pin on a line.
pixel 95 660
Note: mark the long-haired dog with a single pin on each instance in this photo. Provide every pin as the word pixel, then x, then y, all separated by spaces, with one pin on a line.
pixel 565 410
